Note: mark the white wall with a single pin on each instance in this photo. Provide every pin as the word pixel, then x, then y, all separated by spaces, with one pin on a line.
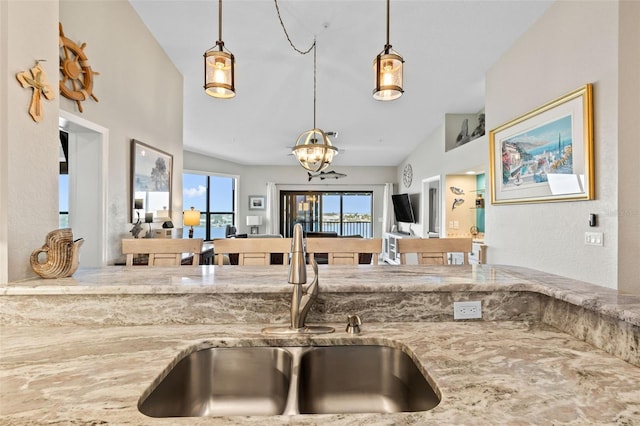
pixel 30 150
pixel 572 44
pixel 629 147
pixel 140 97
pixel 4 145
pixel 252 180
pixel 429 159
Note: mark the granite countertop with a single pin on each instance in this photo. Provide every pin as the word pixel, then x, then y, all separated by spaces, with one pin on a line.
pixel 524 371
pixel 333 279
pixel 510 372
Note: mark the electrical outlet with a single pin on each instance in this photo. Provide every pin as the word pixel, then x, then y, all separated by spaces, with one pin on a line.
pixel 467 310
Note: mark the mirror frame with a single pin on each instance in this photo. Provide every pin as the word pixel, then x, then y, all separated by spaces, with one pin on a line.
pixel 140 182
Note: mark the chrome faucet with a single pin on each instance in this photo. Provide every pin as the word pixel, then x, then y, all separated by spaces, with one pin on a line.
pixel 302 298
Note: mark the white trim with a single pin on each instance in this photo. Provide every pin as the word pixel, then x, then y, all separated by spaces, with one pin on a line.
pixel 424 204
pixel 75 124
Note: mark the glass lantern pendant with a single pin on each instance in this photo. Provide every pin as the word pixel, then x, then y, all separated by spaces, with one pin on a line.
pixel 387 67
pixel 388 73
pixel 219 67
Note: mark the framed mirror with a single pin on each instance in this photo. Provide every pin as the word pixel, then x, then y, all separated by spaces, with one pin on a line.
pixel 151 175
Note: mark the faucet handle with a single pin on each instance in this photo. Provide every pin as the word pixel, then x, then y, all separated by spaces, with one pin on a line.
pixel 353 324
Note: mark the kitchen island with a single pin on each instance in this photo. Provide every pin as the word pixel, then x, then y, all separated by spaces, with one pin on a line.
pixel 548 350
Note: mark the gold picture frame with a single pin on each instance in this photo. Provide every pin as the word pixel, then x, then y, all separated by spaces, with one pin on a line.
pixel 546 154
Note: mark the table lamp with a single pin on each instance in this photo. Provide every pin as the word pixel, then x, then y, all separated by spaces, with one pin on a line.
pixel 254 222
pixel 163 214
pixel 191 218
pixel 164 217
pixel 148 218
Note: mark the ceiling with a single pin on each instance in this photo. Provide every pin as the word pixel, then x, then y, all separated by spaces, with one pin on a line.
pixel 448 46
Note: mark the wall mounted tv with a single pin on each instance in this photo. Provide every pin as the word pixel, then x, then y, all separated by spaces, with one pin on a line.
pixel 403 208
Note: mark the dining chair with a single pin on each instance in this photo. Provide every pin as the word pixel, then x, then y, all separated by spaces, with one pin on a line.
pixel 433 251
pixel 345 251
pixel 252 251
pixel 162 251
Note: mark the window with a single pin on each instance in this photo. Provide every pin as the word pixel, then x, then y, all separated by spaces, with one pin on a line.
pixel 345 213
pixel 63 181
pixel 63 201
pixel 214 196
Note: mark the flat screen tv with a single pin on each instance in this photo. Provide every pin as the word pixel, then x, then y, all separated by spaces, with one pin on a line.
pixel 402 208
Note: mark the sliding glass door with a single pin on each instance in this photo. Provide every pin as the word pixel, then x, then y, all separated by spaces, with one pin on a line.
pixel 344 213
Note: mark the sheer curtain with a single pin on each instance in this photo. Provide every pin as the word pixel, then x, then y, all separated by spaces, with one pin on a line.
pixel 272 208
pixel 387 208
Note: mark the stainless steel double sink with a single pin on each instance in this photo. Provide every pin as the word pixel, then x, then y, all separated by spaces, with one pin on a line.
pixel 291 380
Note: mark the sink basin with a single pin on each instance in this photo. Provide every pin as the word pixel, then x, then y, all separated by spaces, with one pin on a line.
pixel 362 379
pixel 254 381
pixel 223 382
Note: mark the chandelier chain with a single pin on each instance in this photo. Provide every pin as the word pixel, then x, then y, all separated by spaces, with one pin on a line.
pixel 302 52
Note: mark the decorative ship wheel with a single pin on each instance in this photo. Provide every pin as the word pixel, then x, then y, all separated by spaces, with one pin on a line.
pixel 77 76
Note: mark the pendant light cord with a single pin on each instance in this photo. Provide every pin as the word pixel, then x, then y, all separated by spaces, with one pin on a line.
pixel 388 9
pixel 314 83
pixel 220 21
pixel 287 34
pixel 304 52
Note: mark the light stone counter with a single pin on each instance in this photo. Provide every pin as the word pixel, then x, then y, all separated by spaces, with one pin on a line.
pixel 83 350
pixel 333 279
pixel 506 372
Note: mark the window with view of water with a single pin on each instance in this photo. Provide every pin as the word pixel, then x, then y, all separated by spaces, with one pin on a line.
pixel 344 212
pixel 214 196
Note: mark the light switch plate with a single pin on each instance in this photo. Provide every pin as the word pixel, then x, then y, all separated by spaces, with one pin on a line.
pixel 594 238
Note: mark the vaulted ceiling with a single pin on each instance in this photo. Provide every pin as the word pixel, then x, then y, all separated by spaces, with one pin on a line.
pixel 448 46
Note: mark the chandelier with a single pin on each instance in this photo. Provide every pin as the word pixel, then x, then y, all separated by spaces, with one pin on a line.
pixel 313 148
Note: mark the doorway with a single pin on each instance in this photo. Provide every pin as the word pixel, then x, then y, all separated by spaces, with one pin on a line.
pixel 431 209
pixel 87 169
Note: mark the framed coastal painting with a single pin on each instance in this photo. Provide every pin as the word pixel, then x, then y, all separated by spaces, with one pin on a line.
pixel 546 154
pixel 151 174
pixel 256 202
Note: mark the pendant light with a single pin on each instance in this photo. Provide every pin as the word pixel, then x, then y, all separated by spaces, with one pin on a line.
pixel 313 148
pixel 219 67
pixel 387 67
